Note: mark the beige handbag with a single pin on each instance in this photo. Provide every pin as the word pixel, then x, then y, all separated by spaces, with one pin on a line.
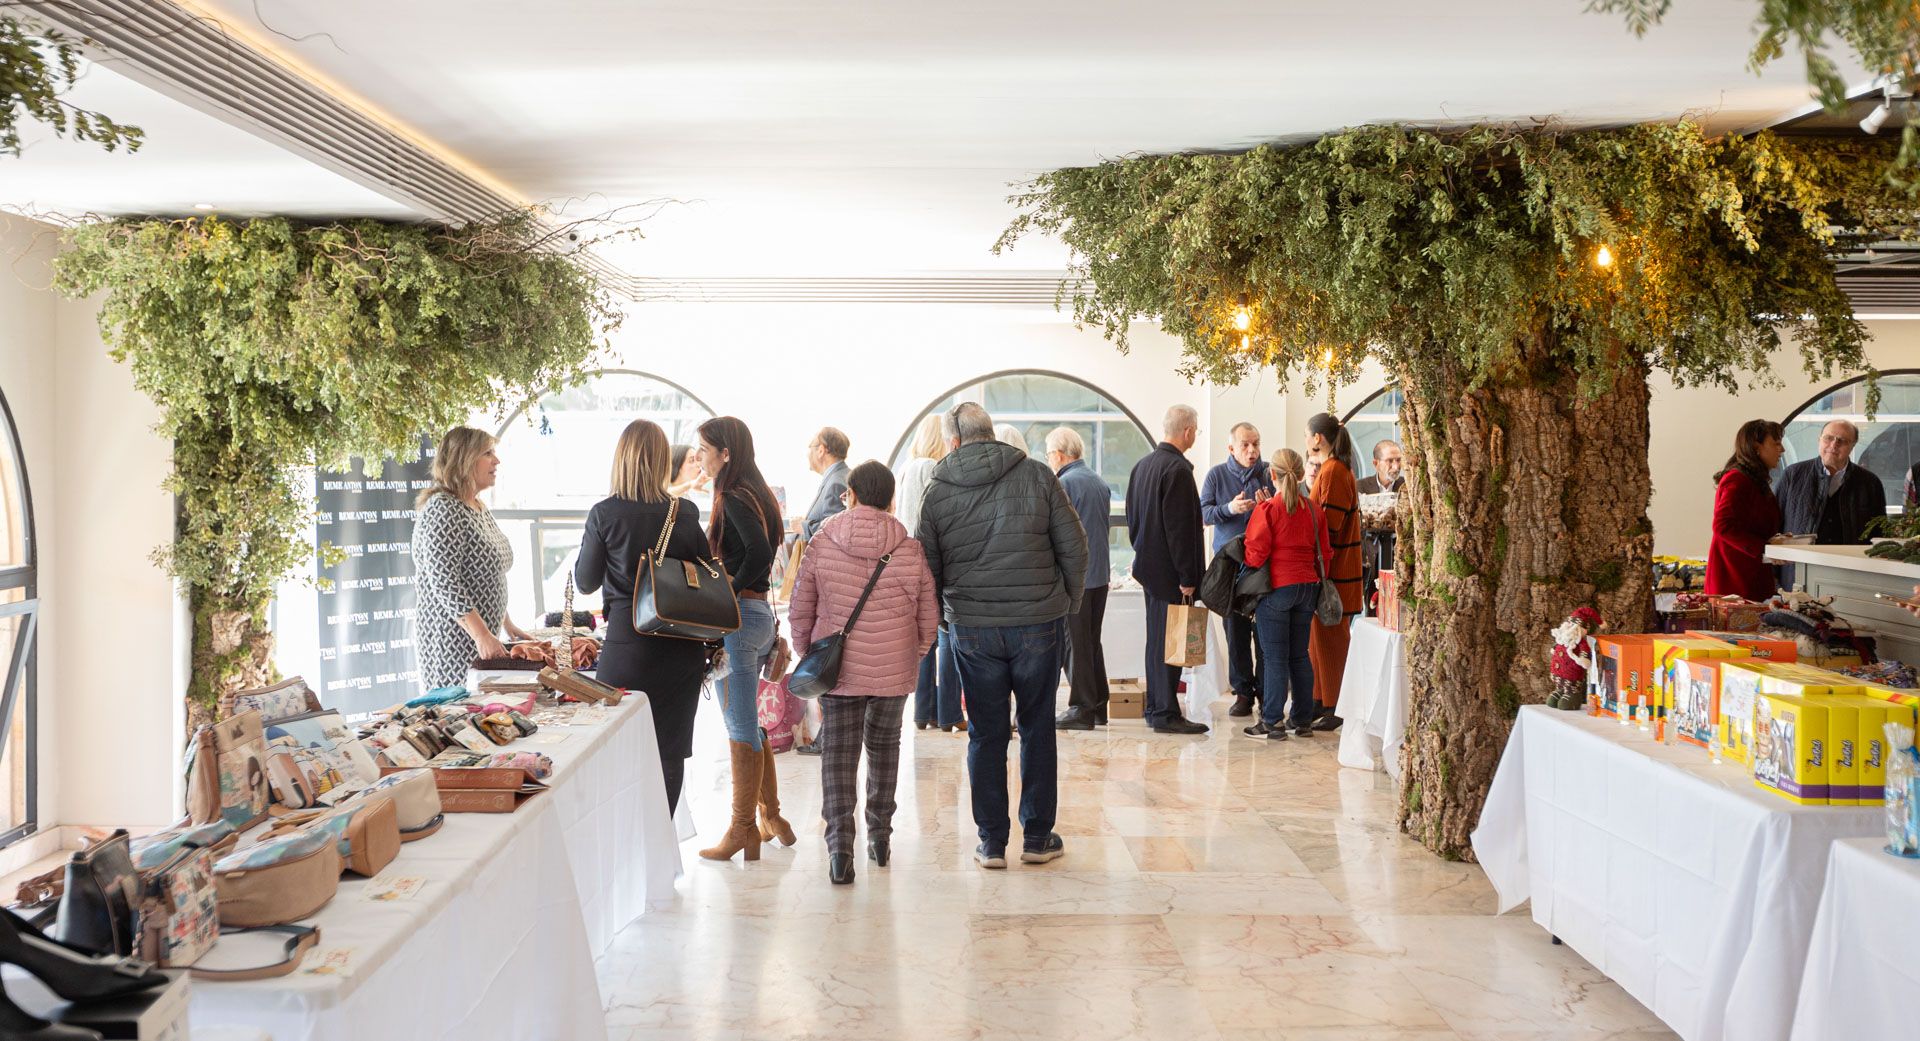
pixel 415 798
pixel 227 772
pixel 366 833
pixel 280 879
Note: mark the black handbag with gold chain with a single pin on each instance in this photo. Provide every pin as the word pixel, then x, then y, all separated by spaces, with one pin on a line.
pixel 685 599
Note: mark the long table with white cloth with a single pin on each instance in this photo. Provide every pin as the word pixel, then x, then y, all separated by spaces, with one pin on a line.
pixel 1862 979
pixel 1373 698
pixel 1691 888
pixel 500 940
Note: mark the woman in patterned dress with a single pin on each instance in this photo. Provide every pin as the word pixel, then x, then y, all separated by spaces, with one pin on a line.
pixel 460 561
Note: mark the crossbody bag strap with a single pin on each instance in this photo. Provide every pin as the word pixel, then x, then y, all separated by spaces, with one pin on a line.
pixel 673 513
pixel 1319 561
pixel 872 580
pixel 300 940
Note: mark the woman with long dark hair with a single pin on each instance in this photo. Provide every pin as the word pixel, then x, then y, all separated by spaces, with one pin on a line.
pixel 744 533
pixel 1337 494
pixel 1746 514
pixel 622 528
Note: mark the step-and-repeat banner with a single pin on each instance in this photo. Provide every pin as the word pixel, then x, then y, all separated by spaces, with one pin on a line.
pixel 366 617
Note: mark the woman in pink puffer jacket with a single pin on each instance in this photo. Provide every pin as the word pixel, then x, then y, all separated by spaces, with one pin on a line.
pixel 880 660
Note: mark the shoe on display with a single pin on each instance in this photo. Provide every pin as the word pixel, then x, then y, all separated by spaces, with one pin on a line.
pixel 17 1023
pixel 1180 726
pixel 72 974
pixel 1265 732
pixel 1045 851
pixel 988 857
pixel 1073 719
pixel 1242 705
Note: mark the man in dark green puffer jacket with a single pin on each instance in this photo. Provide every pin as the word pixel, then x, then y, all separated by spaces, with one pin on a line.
pixel 1008 558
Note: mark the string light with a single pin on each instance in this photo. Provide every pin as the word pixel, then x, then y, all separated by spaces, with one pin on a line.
pixel 1243 318
pixel 1246 343
pixel 1603 257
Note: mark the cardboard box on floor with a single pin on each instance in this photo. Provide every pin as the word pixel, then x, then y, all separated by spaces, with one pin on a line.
pixel 1126 699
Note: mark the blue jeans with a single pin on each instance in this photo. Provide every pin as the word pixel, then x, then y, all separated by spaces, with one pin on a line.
pixel 1284 621
pixel 747 650
pixel 1011 670
pixel 937 697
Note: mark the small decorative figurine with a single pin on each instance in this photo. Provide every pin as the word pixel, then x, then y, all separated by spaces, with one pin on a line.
pixel 1572 657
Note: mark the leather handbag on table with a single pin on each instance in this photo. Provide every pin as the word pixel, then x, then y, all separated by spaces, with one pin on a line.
pixel 819 669
pixel 290 697
pixel 366 833
pixel 415 798
pixel 580 687
pixel 277 880
pixel 227 772
pixel 179 917
pixel 684 599
pixel 100 898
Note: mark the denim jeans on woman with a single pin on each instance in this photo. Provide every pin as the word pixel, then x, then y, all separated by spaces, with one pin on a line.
pixel 1284 623
pixel 747 650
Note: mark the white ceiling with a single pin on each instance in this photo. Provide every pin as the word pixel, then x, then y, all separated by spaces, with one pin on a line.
pixel 804 137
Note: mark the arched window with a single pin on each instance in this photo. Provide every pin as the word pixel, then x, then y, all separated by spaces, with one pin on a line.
pixel 554 459
pixel 19 610
pixel 1372 421
pixel 1889 446
pixel 1037 401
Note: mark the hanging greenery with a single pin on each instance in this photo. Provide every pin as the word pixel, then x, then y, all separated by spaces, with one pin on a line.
pixel 36 67
pixel 275 344
pixel 1521 285
pixel 1884 36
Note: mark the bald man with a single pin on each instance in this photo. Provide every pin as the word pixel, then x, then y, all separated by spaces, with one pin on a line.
pixel 1831 497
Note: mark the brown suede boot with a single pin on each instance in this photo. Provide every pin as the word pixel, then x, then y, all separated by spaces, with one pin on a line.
pixel 741 834
pixel 772 825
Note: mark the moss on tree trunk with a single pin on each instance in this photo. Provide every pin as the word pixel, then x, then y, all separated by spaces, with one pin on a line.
pixel 1527 500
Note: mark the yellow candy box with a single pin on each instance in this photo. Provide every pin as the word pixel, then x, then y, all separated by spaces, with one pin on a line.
pixel 1790 745
pixel 1739 693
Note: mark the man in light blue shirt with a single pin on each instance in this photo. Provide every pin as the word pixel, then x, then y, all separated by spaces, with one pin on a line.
pixel 1086 663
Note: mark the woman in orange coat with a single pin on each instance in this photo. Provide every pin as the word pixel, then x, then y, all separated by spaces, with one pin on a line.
pixel 1337 494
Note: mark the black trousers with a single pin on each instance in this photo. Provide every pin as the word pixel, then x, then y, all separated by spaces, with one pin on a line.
pixel 1246 661
pixel 1086 662
pixel 1163 680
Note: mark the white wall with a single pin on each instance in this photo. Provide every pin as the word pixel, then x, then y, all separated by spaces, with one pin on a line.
pixel 108 692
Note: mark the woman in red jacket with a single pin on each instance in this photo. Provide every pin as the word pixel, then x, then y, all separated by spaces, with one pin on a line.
pixel 1745 514
pixel 1286 533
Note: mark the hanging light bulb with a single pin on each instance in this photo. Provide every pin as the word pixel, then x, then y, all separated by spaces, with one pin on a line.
pixel 1243 318
pixel 1246 342
pixel 1329 358
pixel 1603 257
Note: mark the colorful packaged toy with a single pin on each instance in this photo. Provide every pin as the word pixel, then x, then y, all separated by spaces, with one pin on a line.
pixel 1739 693
pixel 1903 792
pixel 1624 663
pixel 1763 647
pixel 1790 747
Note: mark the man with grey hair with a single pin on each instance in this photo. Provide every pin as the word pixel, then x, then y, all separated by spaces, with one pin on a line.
pixel 1009 562
pixel 1829 497
pixel 1086 663
pixel 1227 497
pixel 1163 521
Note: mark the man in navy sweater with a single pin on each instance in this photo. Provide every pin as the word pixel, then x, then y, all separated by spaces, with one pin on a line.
pixel 1227 499
pixel 1163 522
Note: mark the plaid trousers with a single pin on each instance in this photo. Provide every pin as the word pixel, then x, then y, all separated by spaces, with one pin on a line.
pixel 848 719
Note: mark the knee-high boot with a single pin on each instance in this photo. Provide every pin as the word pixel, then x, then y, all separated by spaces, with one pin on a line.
pixel 772 825
pixel 741 834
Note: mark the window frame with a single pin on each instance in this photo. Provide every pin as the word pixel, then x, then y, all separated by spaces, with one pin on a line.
pixel 1895 506
pixel 21 676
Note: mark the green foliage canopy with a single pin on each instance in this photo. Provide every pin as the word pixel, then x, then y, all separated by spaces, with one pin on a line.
pixel 273 344
pixel 35 69
pixel 1476 249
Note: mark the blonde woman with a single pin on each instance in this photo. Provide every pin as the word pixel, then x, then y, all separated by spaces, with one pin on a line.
pixel 1288 535
pixel 460 560
pixel 936 700
pixel 621 528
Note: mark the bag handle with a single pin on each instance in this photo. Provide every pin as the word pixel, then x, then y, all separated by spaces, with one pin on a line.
pixel 872 580
pixel 1319 561
pixel 300 940
pixel 660 545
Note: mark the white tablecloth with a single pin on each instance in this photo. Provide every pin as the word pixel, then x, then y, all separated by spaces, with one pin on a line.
pixel 500 942
pixel 1862 980
pixel 1691 888
pixel 1373 698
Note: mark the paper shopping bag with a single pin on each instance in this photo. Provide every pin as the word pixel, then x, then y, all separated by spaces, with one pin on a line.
pixel 1186 635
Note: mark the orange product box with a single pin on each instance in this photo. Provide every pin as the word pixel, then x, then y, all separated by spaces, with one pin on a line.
pixel 1760 647
pixel 1625 664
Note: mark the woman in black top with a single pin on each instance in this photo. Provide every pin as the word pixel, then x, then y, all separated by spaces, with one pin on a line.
pixel 622 528
pixel 743 532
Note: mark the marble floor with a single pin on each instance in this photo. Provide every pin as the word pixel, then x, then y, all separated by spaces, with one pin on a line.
pixel 1213 887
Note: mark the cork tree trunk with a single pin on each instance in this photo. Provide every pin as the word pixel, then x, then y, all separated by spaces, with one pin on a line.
pixel 1525 499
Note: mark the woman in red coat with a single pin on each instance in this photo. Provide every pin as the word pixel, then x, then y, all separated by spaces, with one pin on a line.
pixel 1746 515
